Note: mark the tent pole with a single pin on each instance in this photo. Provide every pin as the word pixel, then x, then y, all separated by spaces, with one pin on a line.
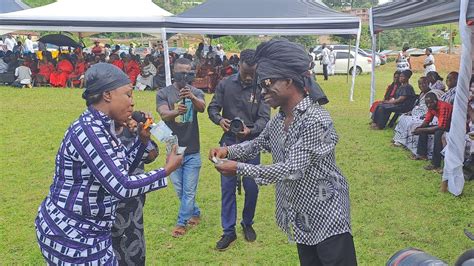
pixel 374 41
pixel 454 157
pixel 348 60
pixel 167 57
pixel 354 67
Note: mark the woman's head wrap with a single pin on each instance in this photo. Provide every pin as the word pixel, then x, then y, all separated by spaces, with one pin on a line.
pixel 282 59
pixel 103 77
pixel 407 73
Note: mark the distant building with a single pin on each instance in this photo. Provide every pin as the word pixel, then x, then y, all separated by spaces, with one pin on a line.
pixel 362 13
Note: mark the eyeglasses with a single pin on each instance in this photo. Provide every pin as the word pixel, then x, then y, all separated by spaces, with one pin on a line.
pixel 267 83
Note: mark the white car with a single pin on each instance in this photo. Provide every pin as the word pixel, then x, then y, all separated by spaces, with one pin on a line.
pixel 364 63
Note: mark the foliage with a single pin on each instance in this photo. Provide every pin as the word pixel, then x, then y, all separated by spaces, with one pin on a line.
pixel 238 42
pixel 337 4
pixel 308 41
pixel 365 40
pixel 419 37
pixel 394 202
pixel 176 6
pixel 37 3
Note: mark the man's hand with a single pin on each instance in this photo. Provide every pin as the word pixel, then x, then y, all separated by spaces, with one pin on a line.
pixel 173 161
pixel 225 124
pixel 244 133
pixel 219 153
pixel 182 109
pixel 186 93
pixel 418 131
pixel 227 168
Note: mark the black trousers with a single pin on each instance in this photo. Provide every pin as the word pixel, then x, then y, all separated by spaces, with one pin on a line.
pixel 325 71
pixel 422 148
pixel 337 250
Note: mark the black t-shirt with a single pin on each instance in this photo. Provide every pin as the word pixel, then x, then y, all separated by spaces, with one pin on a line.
pixel 187 133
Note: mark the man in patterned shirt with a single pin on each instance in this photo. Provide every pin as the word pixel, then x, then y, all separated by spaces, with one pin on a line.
pixel 443 111
pixel 312 195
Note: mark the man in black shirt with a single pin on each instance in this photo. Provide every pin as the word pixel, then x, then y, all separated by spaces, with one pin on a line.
pixel 239 97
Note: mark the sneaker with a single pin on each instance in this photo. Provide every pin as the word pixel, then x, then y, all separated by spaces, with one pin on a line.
pixel 225 242
pixel 249 233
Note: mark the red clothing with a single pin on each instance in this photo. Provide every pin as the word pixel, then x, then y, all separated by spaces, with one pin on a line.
pixel 132 69
pixel 97 50
pixel 45 70
pixel 79 70
pixel 443 112
pixel 60 76
pixel 118 63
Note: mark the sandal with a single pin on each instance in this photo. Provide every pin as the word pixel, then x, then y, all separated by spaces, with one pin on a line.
pixel 178 231
pixel 195 220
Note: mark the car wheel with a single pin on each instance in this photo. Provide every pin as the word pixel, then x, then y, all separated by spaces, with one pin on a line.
pixel 358 70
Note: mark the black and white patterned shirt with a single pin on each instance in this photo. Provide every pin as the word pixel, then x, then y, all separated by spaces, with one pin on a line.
pixel 312 195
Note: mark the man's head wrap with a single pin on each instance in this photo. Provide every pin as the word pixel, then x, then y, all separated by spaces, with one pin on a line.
pixel 103 77
pixel 282 59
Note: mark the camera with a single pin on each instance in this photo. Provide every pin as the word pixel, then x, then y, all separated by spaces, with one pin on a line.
pixel 236 125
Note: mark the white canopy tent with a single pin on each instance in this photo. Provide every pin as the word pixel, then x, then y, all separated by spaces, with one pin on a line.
pixel 422 13
pixel 264 17
pixel 88 16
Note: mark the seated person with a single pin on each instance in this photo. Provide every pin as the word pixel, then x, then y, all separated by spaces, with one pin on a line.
pixel 45 68
pixel 451 83
pixel 77 76
pixel 115 60
pixel 131 68
pixel 12 62
pixel 63 69
pixel 3 64
pixel 408 122
pixel 390 92
pixel 23 76
pixel 402 102
pixel 435 81
pixel 145 78
pixel 443 111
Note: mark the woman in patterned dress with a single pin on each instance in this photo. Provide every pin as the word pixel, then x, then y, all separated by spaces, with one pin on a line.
pixel 74 222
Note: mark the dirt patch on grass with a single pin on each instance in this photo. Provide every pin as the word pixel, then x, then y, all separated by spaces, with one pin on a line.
pixel 443 62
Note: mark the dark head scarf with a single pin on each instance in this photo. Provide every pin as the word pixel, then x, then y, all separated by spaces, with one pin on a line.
pixel 407 73
pixel 281 59
pixel 103 77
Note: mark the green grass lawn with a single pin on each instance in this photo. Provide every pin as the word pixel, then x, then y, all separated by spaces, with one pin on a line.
pixel 395 203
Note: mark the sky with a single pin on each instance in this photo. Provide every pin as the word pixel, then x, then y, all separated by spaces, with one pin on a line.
pixel 383 1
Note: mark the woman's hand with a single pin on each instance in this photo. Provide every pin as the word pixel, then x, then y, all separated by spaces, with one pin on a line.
pixel 144 133
pixel 173 161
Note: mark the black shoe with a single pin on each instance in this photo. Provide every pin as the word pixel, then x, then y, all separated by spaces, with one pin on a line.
pixel 225 242
pixel 249 233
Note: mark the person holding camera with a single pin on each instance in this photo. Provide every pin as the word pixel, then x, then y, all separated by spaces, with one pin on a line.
pixel 237 107
pixel 178 105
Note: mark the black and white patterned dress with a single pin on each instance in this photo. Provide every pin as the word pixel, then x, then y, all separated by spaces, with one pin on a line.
pixel 128 236
pixel 312 195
